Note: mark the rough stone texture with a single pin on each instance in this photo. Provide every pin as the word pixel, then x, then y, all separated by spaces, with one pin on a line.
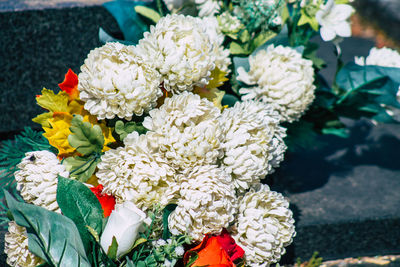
pixel 345 195
pixel 36 49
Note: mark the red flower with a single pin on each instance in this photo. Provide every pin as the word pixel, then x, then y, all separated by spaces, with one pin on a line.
pixel 215 251
pixel 70 84
pixel 230 246
pixel 209 253
pixel 107 202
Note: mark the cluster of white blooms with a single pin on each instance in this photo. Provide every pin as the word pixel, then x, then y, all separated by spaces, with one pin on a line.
pixel 334 20
pixel 253 143
pixel 208 7
pixel 212 29
pixel 187 130
pixel 229 23
pixel 116 81
pixel 384 57
pixel 281 77
pixel 37 178
pixel 16 247
pixel 206 204
pixel 136 173
pixel 179 48
pixel 264 226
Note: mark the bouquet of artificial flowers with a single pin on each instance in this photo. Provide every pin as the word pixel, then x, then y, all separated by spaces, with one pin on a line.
pixel 150 157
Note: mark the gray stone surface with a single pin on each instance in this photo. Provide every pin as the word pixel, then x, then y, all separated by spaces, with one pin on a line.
pixel 36 49
pixel 345 195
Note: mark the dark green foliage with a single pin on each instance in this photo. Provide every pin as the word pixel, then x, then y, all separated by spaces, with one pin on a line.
pixel 78 203
pixel 51 236
pixel 11 154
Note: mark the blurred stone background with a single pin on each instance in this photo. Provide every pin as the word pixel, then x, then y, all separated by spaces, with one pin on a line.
pixel 345 194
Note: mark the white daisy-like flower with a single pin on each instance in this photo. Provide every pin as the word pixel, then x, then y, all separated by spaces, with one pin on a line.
pixel 16 247
pixel 384 57
pixel 265 226
pixel 137 173
pixel 281 77
pixel 181 51
pixel 253 143
pixel 115 81
pixel 37 179
pixel 212 29
pixel 207 202
pixel 208 7
pixel 187 130
pixel 334 20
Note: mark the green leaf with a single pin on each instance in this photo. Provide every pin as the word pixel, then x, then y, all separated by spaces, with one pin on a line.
pixel 193 256
pixel 138 242
pixel 78 203
pixel 81 168
pixel 365 89
pixel 229 100
pixel 237 49
pixel 85 138
pixel 112 249
pixel 130 23
pixel 167 211
pixel 341 132
pixel 124 129
pixel 50 235
pixel 148 13
pixel 262 38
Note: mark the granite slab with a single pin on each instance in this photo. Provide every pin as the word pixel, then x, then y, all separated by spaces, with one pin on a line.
pixel 345 195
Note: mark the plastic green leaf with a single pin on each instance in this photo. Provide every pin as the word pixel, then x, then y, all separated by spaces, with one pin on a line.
pixel 148 13
pixel 81 168
pixel 229 100
pixel 78 203
pixel 51 236
pixel 167 211
pixel 130 23
pixel 105 37
pixel 237 49
pixel 124 129
pixel 193 256
pixel 87 139
pixel 112 249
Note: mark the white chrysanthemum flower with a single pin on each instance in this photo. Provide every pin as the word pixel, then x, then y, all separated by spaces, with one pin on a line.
pixel 264 226
pixel 37 178
pixel 181 51
pixel 137 173
pixel 334 20
pixel 384 57
pixel 116 81
pixel 282 78
pixel 208 7
pixel 16 247
pixel 222 59
pixel 187 130
pixel 253 143
pixel 207 202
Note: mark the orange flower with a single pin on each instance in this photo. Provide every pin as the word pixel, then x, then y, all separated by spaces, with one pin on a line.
pixel 107 202
pixel 70 85
pixel 210 253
